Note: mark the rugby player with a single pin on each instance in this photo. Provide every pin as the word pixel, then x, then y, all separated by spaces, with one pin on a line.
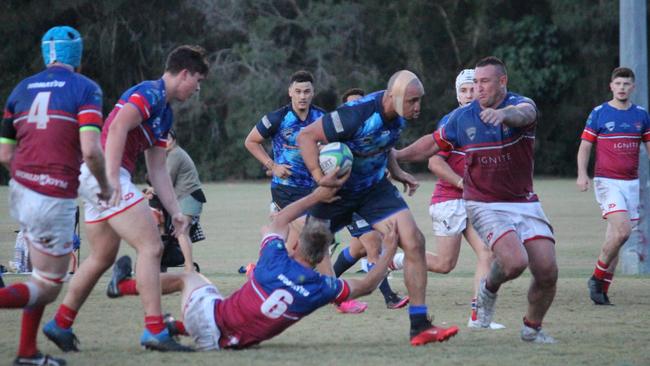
pixel 617 128
pixel 497 133
pixel 139 123
pixel 52 120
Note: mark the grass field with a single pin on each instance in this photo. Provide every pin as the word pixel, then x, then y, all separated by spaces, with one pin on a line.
pixel 109 329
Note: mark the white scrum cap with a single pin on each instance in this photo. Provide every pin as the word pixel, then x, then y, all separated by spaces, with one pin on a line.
pixel 464 77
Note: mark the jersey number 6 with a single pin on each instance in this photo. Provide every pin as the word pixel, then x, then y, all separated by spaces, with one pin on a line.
pixel 276 304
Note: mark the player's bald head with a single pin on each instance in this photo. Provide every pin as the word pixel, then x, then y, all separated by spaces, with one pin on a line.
pixel 400 84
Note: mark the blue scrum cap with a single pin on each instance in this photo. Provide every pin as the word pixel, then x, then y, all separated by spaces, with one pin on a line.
pixel 62 44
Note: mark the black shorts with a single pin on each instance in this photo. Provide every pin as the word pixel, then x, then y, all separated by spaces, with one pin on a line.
pixel 373 204
pixel 283 196
pixel 358 226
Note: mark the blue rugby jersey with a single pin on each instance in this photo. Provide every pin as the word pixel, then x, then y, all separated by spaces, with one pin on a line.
pixel 283 127
pixel 361 125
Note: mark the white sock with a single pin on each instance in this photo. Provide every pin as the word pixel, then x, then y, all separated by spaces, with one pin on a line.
pixel 398 262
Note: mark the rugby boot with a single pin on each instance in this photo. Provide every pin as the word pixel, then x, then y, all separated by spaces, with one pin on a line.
pixel 485 305
pixel 121 271
pixel 430 333
pixel 39 359
pixel 396 301
pixel 352 307
pixel 596 293
pixel 65 339
pixel 162 342
pixel 538 336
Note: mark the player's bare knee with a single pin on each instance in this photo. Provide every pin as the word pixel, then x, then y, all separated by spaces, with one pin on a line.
pixel 514 268
pixel 447 265
pixel 153 249
pixel 45 287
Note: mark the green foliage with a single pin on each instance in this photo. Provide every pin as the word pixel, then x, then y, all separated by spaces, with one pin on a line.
pixel 559 53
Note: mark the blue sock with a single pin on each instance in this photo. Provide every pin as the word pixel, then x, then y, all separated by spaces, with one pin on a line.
pixel 344 261
pixel 417 309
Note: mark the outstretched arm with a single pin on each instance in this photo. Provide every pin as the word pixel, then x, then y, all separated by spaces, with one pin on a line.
pixel 397 173
pixel 370 282
pixel 420 150
pixel 325 193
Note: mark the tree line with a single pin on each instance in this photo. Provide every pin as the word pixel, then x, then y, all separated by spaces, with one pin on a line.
pixel 558 52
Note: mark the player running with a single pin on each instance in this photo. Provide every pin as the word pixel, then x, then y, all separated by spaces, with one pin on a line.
pixel 139 123
pixel 370 127
pixel 497 132
pixel 365 244
pixel 51 122
pixel 616 128
pixel 283 289
pixel 447 209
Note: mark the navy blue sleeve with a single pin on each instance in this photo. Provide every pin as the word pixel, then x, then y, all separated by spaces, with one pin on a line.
pixel 342 124
pixel 269 124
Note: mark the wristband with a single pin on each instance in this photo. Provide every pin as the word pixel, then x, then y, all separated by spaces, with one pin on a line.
pixel 270 161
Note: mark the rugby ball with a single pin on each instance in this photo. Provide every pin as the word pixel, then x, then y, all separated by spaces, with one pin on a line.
pixel 334 155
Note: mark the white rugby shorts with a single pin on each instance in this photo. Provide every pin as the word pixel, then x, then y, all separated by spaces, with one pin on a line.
pixel 492 220
pixel 47 222
pixel 88 189
pixel 198 317
pixel 449 217
pixel 617 195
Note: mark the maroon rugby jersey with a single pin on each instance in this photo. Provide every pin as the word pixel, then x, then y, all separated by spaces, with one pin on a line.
pixel 43 117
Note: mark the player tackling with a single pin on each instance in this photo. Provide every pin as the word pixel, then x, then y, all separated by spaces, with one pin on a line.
pixel 283 288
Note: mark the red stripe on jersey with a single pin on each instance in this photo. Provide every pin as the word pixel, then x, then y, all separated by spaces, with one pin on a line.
pixel 7 114
pixel 622 134
pixel 588 135
pixel 90 119
pixel 501 143
pixel 344 294
pixel 442 143
pixel 161 143
pixel 646 136
pixel 142 104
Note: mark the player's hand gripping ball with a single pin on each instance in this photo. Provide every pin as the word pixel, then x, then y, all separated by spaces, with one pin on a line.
pixel 334 155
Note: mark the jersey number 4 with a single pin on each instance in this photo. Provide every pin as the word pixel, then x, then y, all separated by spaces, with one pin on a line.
pixel 38 110
pixel 277 304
